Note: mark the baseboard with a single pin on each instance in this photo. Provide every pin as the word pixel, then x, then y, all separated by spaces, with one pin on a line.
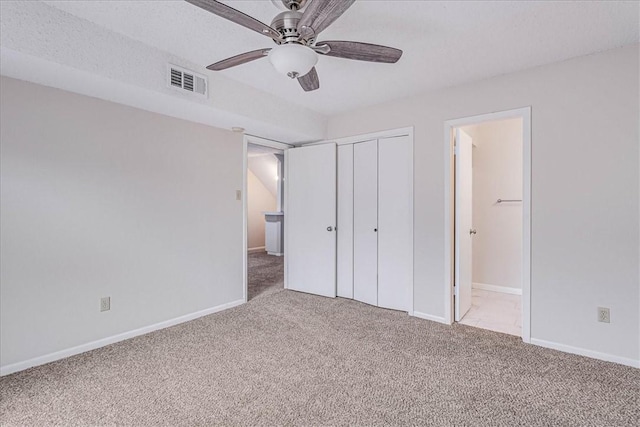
pixel 587 353
pixel 275 253
pixel 496 288
pixel 52 357
pixel 429 317
pixel 257 249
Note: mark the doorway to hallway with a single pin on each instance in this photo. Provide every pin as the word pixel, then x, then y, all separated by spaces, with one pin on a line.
pixel 264 217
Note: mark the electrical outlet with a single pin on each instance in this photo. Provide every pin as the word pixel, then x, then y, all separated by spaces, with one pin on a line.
pixel 105 304
pixel 238 194
pixel 603 315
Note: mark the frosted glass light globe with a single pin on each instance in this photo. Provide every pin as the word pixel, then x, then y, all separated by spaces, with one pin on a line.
pixel 293 60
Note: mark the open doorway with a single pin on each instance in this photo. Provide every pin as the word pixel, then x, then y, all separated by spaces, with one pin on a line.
pixel 263 216
pixel 265 219
pixel 490 222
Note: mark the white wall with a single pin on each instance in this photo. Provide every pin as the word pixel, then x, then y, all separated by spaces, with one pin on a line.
pixel 497 174
pixel 99 199
pixel 259 200
pixel 585 218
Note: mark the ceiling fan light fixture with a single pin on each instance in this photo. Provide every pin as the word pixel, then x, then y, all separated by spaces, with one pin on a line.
pixel 293 60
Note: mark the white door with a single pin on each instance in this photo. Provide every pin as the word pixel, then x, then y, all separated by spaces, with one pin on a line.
pixel 395 223
pixel 311 219
pixel 345 221
pixel 365 222
pixel 463 223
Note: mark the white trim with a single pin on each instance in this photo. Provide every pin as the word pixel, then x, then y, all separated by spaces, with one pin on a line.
pixel 285 208
pixel 449 125
pixel 410 131
pixel 426 316
pixel 256 140
pixel 497 288
pixel 252 139
pixel 390 133
pixel 245 221
pixel 257 249
pixel 587 353
pixel 449 236
pixel 52 357
pixel 526 224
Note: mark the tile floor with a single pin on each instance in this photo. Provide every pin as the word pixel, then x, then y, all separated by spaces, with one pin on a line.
pixel 495 311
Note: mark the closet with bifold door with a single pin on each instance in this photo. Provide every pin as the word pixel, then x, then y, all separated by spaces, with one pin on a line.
pixel 375 222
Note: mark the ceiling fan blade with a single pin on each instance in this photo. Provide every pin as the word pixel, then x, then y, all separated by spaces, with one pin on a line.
pixel 243 58
pixel 236 16
pixel 319 14
pixel 360 51
pixel 310 80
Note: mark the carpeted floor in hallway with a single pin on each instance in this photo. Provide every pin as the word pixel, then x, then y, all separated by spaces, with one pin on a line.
pixel 287 358
pixel 265 273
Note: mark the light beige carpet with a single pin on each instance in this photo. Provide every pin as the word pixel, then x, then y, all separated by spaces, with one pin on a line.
pixel 265 273
pixel 287 358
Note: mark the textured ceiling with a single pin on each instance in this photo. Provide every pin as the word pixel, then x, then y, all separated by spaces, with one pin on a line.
pixel 444 43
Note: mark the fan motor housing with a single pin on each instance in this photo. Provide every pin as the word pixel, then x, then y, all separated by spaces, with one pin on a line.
pixel 287 24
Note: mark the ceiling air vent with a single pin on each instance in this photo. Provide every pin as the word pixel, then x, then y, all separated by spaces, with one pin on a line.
pixel 186 80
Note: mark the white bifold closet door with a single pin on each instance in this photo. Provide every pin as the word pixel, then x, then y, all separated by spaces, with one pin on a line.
pixel 345 221
pixel 310 218
pixel 365 222
pixel 382 222
pixel 395 223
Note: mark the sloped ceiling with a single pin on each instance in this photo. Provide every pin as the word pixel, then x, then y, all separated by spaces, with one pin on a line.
pixel 265 168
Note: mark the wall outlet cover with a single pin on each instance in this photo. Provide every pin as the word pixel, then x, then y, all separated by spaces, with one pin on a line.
pixel 603 315
pixel 105 304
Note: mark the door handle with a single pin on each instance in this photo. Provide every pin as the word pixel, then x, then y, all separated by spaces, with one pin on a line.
pixel 473 231
pixel 375 230
pixel 329 228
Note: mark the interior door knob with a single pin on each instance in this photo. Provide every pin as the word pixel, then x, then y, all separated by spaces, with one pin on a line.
pixel 375 230
pixel 473 231
pixel 329 228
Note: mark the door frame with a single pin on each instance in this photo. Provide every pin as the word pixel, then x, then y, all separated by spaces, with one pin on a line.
pixel 256 140
pixel 449 211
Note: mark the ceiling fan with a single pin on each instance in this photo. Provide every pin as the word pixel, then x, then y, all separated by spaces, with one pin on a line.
pixel 294 31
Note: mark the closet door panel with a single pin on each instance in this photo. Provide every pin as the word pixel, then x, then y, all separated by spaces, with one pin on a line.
pixel 345 221
pixel 395 221
pixel 365 222
pixel 310 218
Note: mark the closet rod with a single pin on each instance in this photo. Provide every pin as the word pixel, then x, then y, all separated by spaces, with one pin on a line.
pixel 506 200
